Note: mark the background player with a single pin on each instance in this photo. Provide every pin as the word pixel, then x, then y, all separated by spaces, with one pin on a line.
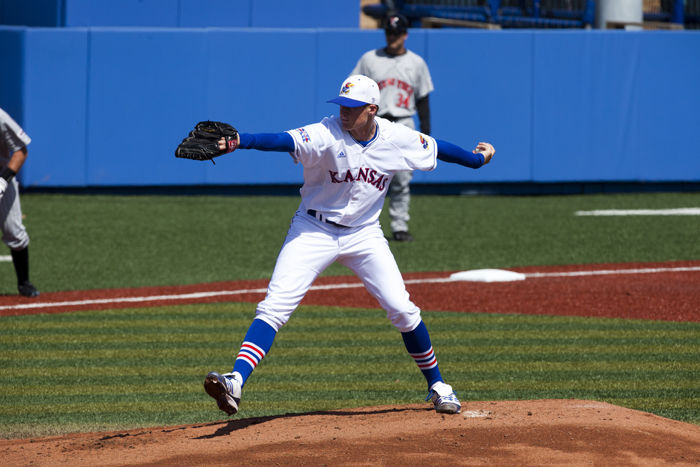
pixel 13 153
pixel 348 162
pixel 404 85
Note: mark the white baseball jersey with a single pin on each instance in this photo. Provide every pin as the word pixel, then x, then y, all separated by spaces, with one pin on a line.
pixel 402 80
pixel 12 138
pixel 348 182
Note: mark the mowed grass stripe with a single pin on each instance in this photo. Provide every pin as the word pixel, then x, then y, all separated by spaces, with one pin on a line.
pixel 136 335
pixel 187 345
pixel 62 393
pixel 223 316
pixel 114 386
pixel 351 365
pixel 233 315
pixel 166 406
pixel 97 365
pixel 157 405
pixel 656 352
pixel 151 315
pixel 150 402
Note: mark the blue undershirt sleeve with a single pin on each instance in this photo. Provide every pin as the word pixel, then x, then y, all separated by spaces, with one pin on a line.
pixel 449 152
pixel 282 142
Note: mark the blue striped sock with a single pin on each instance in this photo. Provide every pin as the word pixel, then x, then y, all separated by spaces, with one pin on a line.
pixel 419 347
pixel 256 344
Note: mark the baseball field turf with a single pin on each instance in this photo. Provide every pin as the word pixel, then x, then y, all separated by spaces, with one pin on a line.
pixel 114 369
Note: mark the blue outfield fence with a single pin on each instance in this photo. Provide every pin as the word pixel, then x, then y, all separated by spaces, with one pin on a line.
pixel 107 106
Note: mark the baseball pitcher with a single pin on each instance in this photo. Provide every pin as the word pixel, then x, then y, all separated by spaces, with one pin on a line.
pixel 348 161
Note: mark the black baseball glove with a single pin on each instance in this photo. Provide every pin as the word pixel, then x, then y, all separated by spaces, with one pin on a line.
pixel 202 144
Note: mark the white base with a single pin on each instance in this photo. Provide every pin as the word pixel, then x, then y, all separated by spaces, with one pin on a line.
pixel 487 275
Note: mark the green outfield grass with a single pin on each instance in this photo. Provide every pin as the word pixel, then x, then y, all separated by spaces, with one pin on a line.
pixel 87 371
pixel 108 370
pixel 87 242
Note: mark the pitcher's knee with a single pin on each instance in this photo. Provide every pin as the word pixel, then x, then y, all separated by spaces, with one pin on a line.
pixel 405 321
pixel 274 318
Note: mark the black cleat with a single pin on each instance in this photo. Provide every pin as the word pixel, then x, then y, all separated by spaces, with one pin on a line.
pixel 27 289
pixel 403 237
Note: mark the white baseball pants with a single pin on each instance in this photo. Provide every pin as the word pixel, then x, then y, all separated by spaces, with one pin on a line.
pixel 312 245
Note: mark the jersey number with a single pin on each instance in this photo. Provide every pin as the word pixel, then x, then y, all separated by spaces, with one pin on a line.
pixel 403 101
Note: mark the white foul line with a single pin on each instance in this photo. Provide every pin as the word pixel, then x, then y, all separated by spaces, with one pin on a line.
pixel 147 298
pixel 352 285
pixel 603 272
pixel 641 212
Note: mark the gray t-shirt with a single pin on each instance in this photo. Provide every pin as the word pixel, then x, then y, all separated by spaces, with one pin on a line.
pixel 402 80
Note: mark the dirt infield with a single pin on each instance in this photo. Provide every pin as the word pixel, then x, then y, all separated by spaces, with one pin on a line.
pixel 540 432
pixel 658 291
pixel 559 432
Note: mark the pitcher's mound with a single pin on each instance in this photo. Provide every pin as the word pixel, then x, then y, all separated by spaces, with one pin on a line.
pixel 563 432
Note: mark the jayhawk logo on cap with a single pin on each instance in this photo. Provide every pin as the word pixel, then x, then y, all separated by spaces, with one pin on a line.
pixel 346 88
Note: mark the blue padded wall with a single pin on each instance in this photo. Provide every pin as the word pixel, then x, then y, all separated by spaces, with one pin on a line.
pixel 214 13
pixel 11 86
pixel 151 13
pixel 182 13
pixel 138 87
pixel 305 14
pixel 586 92
pixel 482 92
pixel 268 87
pixel 56 114
pixel 558 105
pixel 669 103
